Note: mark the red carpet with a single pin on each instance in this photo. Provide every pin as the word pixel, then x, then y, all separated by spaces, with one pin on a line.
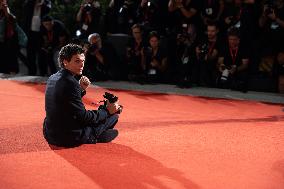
pixel 165 141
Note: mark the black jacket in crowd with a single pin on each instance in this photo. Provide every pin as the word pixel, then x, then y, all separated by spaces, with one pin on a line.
pixel 66 118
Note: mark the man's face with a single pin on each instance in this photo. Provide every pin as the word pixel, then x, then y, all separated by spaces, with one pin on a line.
pixel 2 3
pixel 278 3
pixel 76 64
pixel 212 32
pixel 154 42
pixel 136 33
pixel 233 41
pixel 48 25
pixel 94 40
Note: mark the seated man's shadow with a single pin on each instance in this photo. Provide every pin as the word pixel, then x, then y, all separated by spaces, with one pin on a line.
pixel 117 166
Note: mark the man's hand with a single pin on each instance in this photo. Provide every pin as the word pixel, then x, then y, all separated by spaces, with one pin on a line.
pixel 4 6
pixel 112 107
pixel 178 3
pixel 154 63
pixel 272 16
pixel 40 3
pixel 233 69
pixel 84 82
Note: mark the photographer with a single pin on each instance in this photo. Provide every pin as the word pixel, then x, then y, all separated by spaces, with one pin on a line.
pixel 67 122
pixel 134 49
pixel 271 23
pixel 150 14
pixel 95 65
pixel 233 63
pixel 34 10
pixel 231 15
pixel 8 40
pixel 126 16
pixel 120 16
pixel 155 60
pixel 101 60
pixel 184 11
pixel 184 55
pixel 88 18
pixel 53 35
pixel 211 10
pixel 207 52
pixel 271 40
pixel 243 14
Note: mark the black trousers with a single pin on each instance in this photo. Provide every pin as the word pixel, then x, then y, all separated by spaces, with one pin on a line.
pixel 94 132
pixel 45 61
pixel 88 135
pixel 33 51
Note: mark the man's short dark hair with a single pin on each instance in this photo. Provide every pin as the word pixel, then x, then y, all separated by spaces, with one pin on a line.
pixel 213 23
pixel 67 52
pixel 47 18
pixel 234 31
pixel 154 34
pixel 137 26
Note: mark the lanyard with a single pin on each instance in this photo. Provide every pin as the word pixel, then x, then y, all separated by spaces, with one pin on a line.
pixel 234 55
pixel 240 12
pixel 86 19
pixel 137 45
pixel 211 47
pixel 50 36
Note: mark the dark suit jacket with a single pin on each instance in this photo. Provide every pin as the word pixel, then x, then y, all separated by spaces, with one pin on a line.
pixel 66 117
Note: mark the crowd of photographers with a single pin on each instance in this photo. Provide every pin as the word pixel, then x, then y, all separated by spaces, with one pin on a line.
pixel 236 44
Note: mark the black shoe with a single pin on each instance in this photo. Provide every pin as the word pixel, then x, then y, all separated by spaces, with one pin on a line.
pixel 107 136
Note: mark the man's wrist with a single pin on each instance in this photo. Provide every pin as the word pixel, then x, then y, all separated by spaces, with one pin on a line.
pixel 83 92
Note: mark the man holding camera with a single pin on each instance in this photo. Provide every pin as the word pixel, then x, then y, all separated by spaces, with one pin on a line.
pixel 184 11
pixel 88 18
pixel 271 39
pixel 207 52
pixel 34 10
pixel 96 64
pixel 54 35
pixel 67 122
pixel 233 63
pixel 271 23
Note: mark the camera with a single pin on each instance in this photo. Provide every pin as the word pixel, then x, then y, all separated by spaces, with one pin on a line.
pixel 112 99
pixel 150 8
pixel 203 50
pixel 125 16
pixel 270 7
pixel 185 31
pixel 124 9
pixel 225 74
pixel 93 48
pixel 234 19
pixel 87 7
pixel 151 5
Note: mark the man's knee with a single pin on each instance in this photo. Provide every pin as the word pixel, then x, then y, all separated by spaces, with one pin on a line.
pixel 112 120
pixel 115 116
